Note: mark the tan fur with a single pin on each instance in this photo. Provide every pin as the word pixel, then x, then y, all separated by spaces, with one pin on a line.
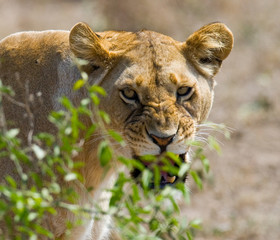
pixel 40 65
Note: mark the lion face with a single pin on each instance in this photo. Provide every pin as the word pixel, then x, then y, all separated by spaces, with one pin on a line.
pixel 156 93
pixel 160 100
pixel 158 89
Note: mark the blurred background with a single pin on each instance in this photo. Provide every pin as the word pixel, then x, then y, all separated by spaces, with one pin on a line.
pixel 241 195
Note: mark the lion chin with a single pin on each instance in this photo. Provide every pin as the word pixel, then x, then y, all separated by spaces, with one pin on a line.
pixel 166 178
pixel 158 91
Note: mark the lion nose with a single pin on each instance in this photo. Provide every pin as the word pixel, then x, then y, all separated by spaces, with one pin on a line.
pixel 162 142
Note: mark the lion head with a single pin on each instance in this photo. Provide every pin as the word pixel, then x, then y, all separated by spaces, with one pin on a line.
pixel 159 89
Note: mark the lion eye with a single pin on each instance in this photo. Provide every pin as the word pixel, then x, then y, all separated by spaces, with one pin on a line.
pixel 184 91
pixel 128 95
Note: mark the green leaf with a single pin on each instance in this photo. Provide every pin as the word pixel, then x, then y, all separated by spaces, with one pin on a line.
pixel 95 99
pixel 116 136
pixel 137 164
pixel 32 216
pixel 80 62
pixel 194 143
pixel 24 177
pixel 46 137
pixel 117 191
pixel 173 157
pixel 104 153
pixel 156 176
pixel 70 177
pixel 84 76
pixel 19 204
pixel 43 231
pixel 80 83
pixel 196 224
pixel 183 169
pixel 66 103
pixel 189 235
pixel 148 158
pixel 97 89
pixel 90 131
pixel 46 194
pixel 12 133
pixel 146 178
pixel 184 190
pixel 11 181
pixel 85 102
pixel 214 144
pixel 68 131
pixel 104 116
pixel 135 193
pixel 125 161
pixel 55 188
pixel 197 179
pixel 174 204
pixel 6 89
pixel 206 165
pixel 33 237
pixel 154 224
pixel 39 152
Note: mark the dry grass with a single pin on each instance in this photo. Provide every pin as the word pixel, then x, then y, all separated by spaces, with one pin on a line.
pixel 241 198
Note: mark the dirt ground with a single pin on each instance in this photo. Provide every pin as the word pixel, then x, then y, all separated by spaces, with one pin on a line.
pixel 240 199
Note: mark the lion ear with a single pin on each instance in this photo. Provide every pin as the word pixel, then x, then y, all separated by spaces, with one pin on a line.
pixel 208 47
pixel 87 45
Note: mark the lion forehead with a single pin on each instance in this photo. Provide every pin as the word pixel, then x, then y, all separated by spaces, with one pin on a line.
pixel 155 59
pixel 155 47
pixel 144 74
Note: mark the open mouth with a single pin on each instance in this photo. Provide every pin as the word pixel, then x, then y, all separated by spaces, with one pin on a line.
pixel 166 177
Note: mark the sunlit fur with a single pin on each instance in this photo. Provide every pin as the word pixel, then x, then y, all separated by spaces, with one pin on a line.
pixel 155 66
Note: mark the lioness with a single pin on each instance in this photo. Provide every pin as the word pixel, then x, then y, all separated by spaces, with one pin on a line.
pixel 159 91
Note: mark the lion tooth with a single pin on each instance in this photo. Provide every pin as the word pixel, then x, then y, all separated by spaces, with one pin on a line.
pixel 170 179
